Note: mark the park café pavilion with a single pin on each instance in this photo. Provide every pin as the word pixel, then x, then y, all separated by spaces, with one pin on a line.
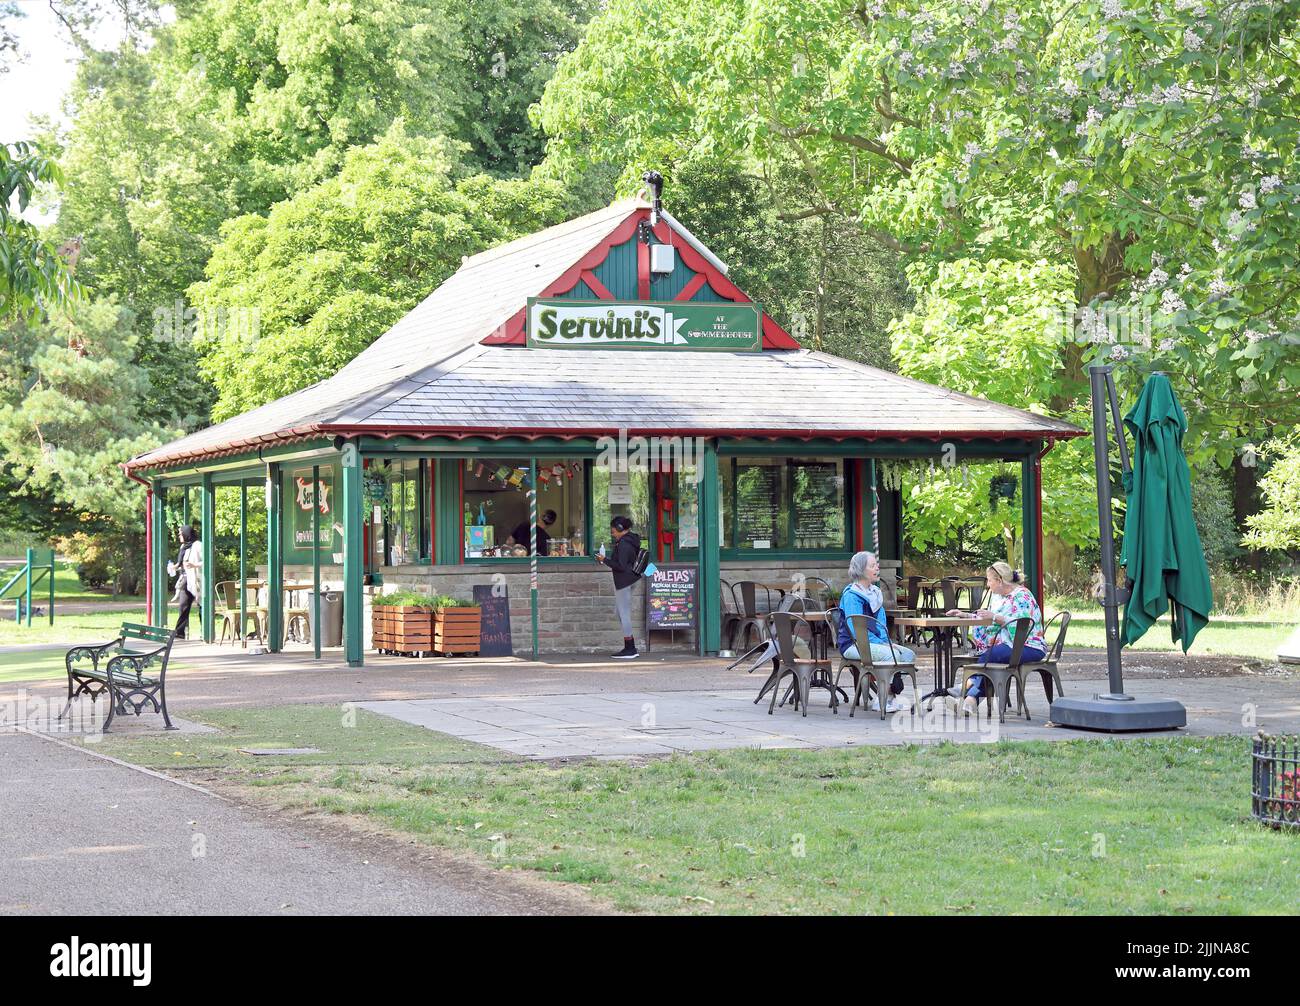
pixel 418 455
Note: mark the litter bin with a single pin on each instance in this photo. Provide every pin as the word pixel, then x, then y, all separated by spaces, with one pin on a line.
pixel 331 614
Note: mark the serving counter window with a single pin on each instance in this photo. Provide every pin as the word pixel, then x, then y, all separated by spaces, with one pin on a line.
pixel 496 513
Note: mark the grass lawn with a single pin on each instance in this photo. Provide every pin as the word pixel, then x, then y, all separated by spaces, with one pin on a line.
pixel 1238 637
pixel 1083 826
pixel 44 665
pixel 68 629
pixel 67 587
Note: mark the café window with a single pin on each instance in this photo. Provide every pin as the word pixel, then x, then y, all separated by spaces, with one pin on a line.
pixel 616 494
pixel 495 507
pixel 396 492
pixel 784 505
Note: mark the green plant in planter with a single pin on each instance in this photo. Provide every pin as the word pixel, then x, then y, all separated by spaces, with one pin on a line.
pixel 447 601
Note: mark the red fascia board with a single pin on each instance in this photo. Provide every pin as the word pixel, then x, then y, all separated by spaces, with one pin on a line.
pixel 533 433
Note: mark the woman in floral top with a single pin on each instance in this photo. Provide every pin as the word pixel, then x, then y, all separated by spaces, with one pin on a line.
pixel 1010 600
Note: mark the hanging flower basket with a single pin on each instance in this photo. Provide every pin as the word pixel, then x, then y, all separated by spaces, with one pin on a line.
pixel 1001 487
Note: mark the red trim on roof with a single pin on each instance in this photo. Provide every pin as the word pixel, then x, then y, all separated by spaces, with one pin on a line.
pixel 512 333
pixel 642 271
pixel 597 287
pixel 693 287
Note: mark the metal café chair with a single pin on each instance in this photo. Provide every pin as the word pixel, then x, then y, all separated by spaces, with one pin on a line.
pixel 882 676
pixel 783 627
pixel 752 618
pixel 731 616
pixel 1000 676
pixel 1047 668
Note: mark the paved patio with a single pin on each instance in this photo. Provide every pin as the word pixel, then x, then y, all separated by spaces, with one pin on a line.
pixel 632 723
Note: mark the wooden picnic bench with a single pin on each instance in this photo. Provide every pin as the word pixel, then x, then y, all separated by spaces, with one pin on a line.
pixel 133 677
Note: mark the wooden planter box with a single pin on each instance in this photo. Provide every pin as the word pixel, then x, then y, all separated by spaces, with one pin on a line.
pixel 404 629
pixel 456 630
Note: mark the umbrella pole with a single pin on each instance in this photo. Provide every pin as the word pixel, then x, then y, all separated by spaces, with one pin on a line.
pixel 1113 711
pixel 1103 390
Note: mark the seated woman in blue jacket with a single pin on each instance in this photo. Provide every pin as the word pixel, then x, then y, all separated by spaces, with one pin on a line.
pixel 863 597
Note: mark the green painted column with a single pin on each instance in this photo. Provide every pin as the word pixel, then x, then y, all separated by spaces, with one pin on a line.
pixel 243 559
pixel 161 543
pixel 448 518
pixel 1031 521
pixel 315 560
pixel 274 561
pixel 208 509
pixel 353 557
pixel 710 551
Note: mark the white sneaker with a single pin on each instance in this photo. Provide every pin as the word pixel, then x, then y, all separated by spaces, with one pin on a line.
pixel 971 706
pixel 895 704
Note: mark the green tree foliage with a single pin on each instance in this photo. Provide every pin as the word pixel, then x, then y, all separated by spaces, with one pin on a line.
pixel 1151 146
pixel 1278 524
pixel 33 276
pixel 329 270
pixel 77 421
pixel 833 286
pixel 994 329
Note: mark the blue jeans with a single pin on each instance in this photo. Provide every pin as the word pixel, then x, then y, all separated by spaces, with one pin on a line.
pixel 881 656
pixel 999 654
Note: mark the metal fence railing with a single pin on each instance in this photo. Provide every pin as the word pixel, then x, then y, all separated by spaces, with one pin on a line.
pixel 1275 781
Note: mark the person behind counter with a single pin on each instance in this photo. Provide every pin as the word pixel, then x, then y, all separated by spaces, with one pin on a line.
pixel 622 563
pixel 520 534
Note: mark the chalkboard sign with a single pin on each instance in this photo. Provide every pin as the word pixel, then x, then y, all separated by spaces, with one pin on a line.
pixel 672 597
pixel 494 634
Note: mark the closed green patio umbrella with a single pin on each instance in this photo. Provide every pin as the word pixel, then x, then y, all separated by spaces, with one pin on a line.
pixel 1162 551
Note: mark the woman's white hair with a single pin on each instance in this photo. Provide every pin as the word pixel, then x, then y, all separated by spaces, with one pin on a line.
pixel 859 563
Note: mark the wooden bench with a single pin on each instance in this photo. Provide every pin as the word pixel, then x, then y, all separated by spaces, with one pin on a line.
pixel 133 677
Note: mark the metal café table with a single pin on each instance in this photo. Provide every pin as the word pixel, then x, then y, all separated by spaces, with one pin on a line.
pixel 945 628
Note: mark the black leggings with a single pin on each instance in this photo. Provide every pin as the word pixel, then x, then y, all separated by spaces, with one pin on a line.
pixel 183 618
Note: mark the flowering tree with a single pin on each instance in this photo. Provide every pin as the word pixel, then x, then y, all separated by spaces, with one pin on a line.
pixel 1151 146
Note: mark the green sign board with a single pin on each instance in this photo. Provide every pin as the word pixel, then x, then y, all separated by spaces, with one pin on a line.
pixel 302 498
pixel 603 324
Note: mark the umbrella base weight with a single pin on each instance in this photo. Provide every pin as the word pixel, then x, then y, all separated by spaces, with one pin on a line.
pixel 1118 715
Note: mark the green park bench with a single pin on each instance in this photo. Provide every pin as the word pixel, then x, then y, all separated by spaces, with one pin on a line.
pixel 133 677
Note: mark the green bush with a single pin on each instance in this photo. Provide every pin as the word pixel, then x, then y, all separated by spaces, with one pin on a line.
pixel 416 599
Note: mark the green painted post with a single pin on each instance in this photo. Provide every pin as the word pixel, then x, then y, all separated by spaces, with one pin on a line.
pixel 208 592
pixel 159 557
pixel 353 558
pixel 28 593
pixel 710 633
pixel 448 518
pixel 1029 521
pixel 315 558
pixel 243 558
pixel 274 562
pixel 51 586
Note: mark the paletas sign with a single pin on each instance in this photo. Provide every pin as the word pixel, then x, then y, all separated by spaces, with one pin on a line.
pixel 605 324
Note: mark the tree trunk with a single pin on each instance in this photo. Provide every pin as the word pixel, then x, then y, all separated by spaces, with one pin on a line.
pixel 1245 501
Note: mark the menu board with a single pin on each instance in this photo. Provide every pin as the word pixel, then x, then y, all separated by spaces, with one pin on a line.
pixel 672 597
pixel 494 626
pixel 758 505
pixel 817 509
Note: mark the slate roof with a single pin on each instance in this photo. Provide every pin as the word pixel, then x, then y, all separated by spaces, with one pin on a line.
pixel 429 373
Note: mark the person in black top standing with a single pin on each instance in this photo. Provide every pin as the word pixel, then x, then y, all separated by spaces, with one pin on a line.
pixel 621 562
pixel 520 534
